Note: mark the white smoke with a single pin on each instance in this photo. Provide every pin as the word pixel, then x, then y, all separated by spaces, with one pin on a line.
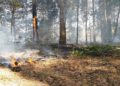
pixel 5 43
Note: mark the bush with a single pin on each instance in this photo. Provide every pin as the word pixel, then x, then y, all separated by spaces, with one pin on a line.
pixel 94 50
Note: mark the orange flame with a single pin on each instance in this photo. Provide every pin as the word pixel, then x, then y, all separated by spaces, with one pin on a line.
pixel 35 23
pixel 31 61
pixel 15 63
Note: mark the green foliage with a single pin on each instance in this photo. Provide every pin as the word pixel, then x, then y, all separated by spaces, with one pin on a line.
pixel 93 50
pixel 15 4
pixel 76 53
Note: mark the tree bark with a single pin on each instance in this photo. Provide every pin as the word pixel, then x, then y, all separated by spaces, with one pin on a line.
pixel 108 22
pixel 86 22
pixel 117 21
pixel 105 21
pixel 35 27
pixel 77 34
pixel 12 20
pixel 13 23
pixel 62 39
pixel 94 35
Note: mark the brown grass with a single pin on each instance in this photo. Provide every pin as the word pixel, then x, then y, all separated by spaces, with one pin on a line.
pixel 9 78
pixel 75 72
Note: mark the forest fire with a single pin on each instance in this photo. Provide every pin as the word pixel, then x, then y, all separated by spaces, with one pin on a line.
pixel 18 63
pixel 15 65
pixel 14 62
pixel 30 61
pixel 60 42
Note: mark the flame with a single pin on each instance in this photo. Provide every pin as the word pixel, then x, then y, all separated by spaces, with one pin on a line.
pixel 14 62
pixel 31 61
pixel 35 23
pixel 17 62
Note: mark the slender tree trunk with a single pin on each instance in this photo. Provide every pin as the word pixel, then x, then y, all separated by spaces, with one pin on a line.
pixel 102 25
pixel 26 24
pixel 77 34
pixel 117 21
pixel 108 22
pixel 62 39
pixel 94 35
pixel 35 27
pixel 86 22
pixel 25 18
pixel 106 30
pixel 90 35
pixel 13 23
pixel 12 20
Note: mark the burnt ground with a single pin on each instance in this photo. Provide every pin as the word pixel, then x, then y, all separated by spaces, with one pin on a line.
pixel 75 72
pixel 70 71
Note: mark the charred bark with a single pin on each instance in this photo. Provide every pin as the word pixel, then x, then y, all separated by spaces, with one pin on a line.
pixel 35 26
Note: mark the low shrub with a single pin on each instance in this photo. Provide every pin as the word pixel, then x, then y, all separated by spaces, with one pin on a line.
pixel 94 50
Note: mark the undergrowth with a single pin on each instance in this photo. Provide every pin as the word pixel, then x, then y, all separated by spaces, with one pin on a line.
pixel 93 50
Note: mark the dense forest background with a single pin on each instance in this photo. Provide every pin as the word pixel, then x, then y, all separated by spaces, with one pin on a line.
pixel 60 42
pixel 61 21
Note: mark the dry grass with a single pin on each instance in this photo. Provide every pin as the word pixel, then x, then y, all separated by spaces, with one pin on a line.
pixel 9 78
pixel 65 72
pixel 75 72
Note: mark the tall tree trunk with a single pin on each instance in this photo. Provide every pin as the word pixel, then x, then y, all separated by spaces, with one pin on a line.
pixel 108 22
pixel 12 20
pixel 86 22
pixel 117 21
pixel 93 8
pixel 35 27
pixel 102 25
pixel 106 30
pixel 77 34
pixel 62 39
pixel 13 23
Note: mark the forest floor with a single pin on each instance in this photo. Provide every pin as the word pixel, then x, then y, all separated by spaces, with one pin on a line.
pixel 72 71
